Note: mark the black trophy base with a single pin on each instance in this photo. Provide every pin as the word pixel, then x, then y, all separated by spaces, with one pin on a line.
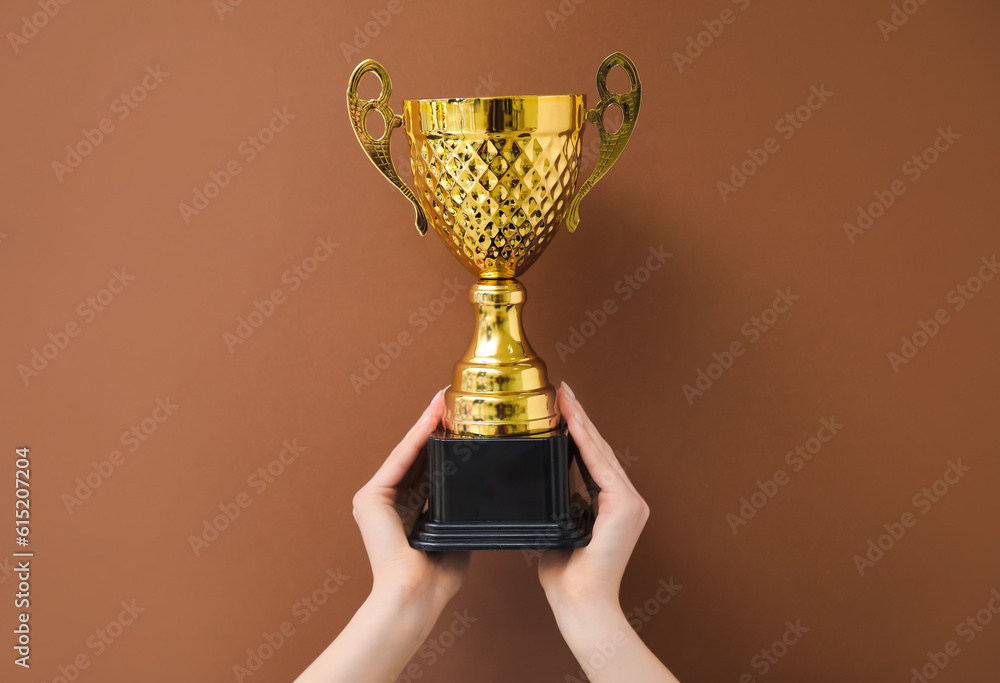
pixel 502 493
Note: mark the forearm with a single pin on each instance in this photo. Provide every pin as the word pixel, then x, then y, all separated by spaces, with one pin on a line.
pixel 607 647
pixel 377 643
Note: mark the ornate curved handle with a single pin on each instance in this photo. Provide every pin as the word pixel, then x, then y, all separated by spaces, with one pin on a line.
pixel 378 148
pixel 612 144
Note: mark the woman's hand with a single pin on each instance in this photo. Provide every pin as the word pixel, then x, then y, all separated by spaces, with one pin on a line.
pixel 410 587
pixel 582 585
pixel 594 574
pixel 385 509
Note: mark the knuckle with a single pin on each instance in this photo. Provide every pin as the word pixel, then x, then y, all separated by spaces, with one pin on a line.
pixel 358 499
pixel 639 508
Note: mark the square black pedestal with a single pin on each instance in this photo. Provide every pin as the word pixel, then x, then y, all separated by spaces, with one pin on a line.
pixel 502 493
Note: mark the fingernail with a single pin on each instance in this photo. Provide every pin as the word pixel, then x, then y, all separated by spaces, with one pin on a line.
pixel 568 390
pixel 579 418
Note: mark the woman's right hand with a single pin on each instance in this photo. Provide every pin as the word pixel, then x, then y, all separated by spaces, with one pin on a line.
pixel 582 585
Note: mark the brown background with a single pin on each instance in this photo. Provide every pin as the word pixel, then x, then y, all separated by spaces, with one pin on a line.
pixel 163 336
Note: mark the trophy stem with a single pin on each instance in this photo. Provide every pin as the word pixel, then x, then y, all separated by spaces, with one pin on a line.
pixel 500 387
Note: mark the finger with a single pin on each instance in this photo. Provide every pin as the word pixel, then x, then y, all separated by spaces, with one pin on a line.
pixel 622 511
pixel 395 467
pixel 601 471
pixel 595 435
pixel 411 494
pixel 607 451
pixel 374 505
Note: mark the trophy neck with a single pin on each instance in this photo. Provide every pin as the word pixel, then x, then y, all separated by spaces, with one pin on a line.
pixel 500 387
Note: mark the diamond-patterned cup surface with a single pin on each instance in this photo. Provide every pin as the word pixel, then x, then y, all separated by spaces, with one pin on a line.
pixel 495 198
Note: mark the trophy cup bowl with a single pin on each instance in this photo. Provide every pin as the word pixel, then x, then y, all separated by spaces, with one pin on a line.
pixel 496 177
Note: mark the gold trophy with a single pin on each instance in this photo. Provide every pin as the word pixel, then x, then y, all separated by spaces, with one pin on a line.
pixel 494 177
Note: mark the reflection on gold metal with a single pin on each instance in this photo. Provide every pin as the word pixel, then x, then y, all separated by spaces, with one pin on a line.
pixel 495 177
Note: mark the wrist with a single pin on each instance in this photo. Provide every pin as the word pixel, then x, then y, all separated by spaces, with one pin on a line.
pixel 412 608
pixel 582 617
pixel 586 605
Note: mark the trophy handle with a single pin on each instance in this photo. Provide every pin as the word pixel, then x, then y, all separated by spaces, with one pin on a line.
pixel 612 144
pixel 378 149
